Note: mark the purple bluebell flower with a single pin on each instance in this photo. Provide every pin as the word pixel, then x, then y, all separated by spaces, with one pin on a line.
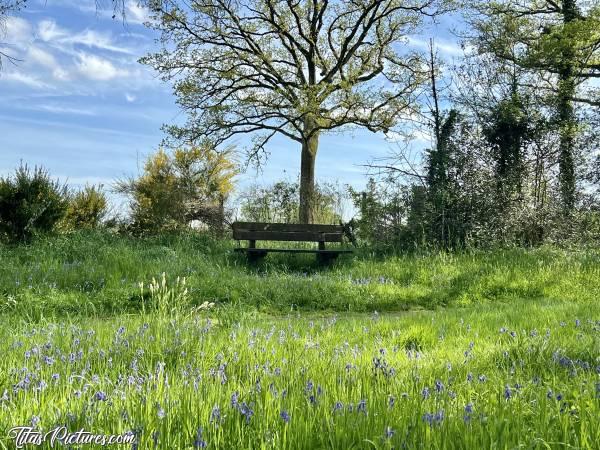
pixel 362 406
pixel 469 377
pixel 439 387
pixel 234 399
pixel 391 401
pixel 285 416
pixel 100 396
pixel 246 411
pixel 338 406
pixel 389 432
pixel 425 393
pixel 507 392
pixel 215 415
pixel 199 442
pixel 469 408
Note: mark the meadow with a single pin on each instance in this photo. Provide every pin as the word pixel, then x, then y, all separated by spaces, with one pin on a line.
pixel 497 349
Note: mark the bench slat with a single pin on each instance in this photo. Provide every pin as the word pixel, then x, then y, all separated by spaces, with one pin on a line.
pixel 286 227
pixel 291 250
pixel 307 236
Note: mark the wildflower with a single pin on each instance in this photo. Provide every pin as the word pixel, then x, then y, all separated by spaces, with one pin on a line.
pixel 35 420
pixel 246 411
pixel 309 386
pixel 100 396
pixel 362 406
pixel 389 432
pixel 215 415
pixel 559 397
pixel 284 416
pixel 391 401
pixel 161 413
pixel 439 387
pixel 199 442
pixel 482 378
pixel 338 406
pixel 469 377
pixel 513 334
pixel 550 394
pixel 507 392
pixel 425 392
pixel 577 322
pixel 234 400
pixel 469 408
pixel 434 419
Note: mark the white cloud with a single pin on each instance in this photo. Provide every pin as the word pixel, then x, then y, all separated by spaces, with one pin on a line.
pixel 136 13
pixel 445 47
pixel 58 109
pixel 49 31
pixel 16 31
pixel 130 97
pixel 23 78
pixel 96 68
pixel 41 57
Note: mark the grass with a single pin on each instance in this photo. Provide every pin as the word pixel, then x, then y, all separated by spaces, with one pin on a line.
pixel 471 350
pixel 98 274
pixel 410 380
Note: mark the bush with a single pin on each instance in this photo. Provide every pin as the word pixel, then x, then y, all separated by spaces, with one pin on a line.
pixel 86 209
pixel 189 185
pixel 30 203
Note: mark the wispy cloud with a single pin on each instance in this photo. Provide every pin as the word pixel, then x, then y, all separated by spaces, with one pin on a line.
pixel 24 78
pixel 49 31
pixel 58 109
pixel 135 12
pixel 94 67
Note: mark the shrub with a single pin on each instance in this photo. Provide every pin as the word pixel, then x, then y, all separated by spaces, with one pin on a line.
pixel 174 190
pixel 86 209
pixel 30 203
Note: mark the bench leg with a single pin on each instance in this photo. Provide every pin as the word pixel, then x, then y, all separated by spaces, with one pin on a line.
pixel 254 257
pixel 326 258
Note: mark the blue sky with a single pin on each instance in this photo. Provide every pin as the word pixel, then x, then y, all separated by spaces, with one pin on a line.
pixel 79 104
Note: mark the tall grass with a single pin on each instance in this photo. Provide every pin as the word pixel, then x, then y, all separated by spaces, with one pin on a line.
pixel 99 274
pixel 499 376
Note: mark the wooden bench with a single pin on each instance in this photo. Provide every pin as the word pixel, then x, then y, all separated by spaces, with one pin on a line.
pixel 258 231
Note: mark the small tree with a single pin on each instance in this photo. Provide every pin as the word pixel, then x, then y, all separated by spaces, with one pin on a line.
pixel 86 209
pixel 30 203
pixel 190 184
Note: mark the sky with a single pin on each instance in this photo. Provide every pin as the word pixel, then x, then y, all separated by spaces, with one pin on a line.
pixel 79 104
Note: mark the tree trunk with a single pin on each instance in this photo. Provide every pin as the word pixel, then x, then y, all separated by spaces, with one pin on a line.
pixel 566 116
pixel 310 145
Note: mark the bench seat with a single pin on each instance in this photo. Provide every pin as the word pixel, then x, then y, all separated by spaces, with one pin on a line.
pixel 261 231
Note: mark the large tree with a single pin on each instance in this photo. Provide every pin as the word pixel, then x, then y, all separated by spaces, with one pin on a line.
pixel 559 40
pixel 297 68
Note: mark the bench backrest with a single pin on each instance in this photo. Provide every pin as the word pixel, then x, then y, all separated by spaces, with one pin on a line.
pixel 259 231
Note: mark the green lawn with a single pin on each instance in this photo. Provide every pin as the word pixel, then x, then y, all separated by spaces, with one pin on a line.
pixel 98 274
pixel 473 350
